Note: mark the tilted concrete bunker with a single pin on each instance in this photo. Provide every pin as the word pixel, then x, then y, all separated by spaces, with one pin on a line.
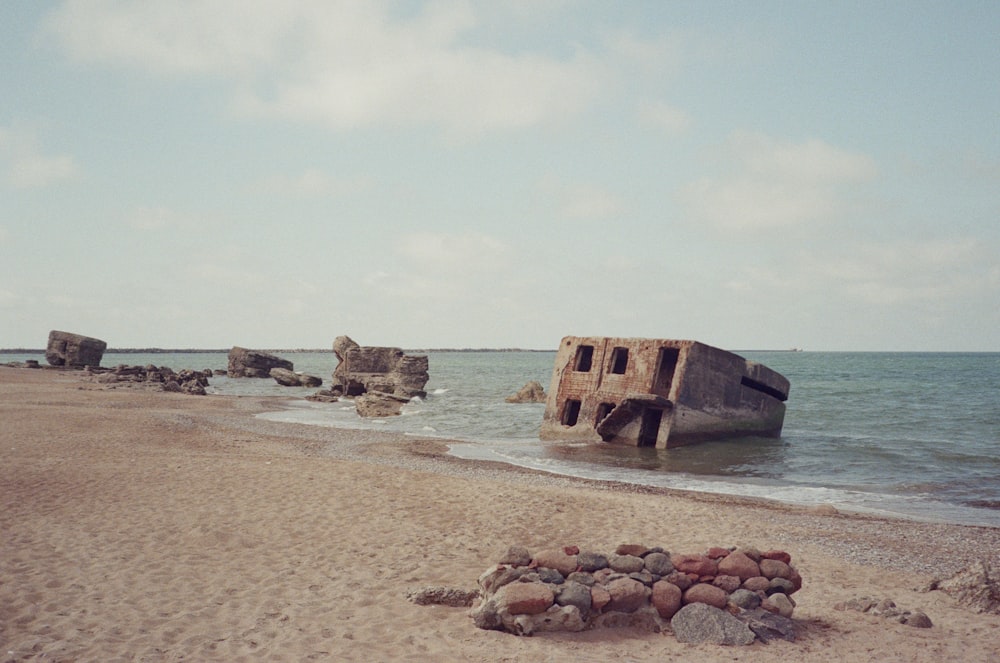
pixel 659 393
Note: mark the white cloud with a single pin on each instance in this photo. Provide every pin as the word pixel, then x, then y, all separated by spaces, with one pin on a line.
pixel 776 184
pixel 664 117
pixel 339 64
pixel 939 270
pixel 151 218
pixel 25 167
pixel 452 253
pixel 932 272
pixel 581 201
pixel 314 182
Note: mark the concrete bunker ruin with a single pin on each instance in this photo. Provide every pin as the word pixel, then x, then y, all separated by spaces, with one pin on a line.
pixel 659 393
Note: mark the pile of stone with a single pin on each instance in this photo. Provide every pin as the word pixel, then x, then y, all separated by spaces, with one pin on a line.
pixel 723 596
pixel 185 381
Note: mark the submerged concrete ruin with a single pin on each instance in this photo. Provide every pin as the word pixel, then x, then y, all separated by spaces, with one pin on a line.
pixel 74 350
pixel 659 393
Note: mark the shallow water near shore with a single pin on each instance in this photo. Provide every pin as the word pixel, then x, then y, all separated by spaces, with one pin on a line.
pixel 906 434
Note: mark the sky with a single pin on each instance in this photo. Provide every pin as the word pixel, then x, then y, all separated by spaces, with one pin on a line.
pixel 276 173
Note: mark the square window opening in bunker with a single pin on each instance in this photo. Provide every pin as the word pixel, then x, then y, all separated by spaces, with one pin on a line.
pixel 603 410
pixel 666 364
pixel 619 360
pixel 571 412
pixel 650 426
pixel 584 358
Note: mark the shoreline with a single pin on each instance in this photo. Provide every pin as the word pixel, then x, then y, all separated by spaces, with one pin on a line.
pixel 155 526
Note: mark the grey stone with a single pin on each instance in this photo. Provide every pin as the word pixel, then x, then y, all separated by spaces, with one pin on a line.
pixel 767 626
pixel 449 596
pixel 626 563
pixel 658 563
pixel 745 599
pixel 918 619
pixel 576 594
pixel 515 556
pixel 582 577
pixel 591 561
pixel 698 623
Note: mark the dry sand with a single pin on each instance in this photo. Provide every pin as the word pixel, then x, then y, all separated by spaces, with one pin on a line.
pixel 149 526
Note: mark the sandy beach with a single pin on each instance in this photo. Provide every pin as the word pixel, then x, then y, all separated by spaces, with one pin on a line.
pixel 146 526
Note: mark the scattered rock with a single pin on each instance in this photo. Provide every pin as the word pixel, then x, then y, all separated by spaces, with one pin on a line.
pixel 885 608
pixel 449 596
pixel 376 404
pixel 532 392
pixel 288 378
pixel 245 363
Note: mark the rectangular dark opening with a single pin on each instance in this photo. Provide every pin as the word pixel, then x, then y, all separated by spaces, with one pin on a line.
pixel 650 426
pixel 763 388
pixel 619 360
pixel 666 364
pixel 603 410
pixel 584 358
pixel 571 412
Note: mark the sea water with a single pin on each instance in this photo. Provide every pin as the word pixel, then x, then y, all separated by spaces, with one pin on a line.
pixel 907 434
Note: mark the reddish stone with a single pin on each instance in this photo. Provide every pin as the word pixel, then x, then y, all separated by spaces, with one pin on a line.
pixel 739 565
pixel 758 584
pixel 666 598
pixel 634 549
pixel 682 580
pixel 717 553
pixel 525 598
pixel 602 575
pixel 571 550
pixel 555 559
pixel 770 607
pixel 627 595
pixel 728 584
pixel 796 579
pixel 773 568
pixel 599 597
pixel 779 555
pixel 709 594
pixel 700 565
